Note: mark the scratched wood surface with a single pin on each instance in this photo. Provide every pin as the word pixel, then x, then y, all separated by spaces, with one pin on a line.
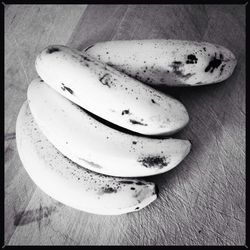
pixel 202 201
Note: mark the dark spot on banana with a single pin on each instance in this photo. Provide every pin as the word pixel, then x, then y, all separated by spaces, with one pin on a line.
pixel 154 161
pixel 86 58
pixel 51 50
pixel 67 89
pixel 177 70
pixel 153 101
pixel 134 142
pixel 110 64
pixel 137 122
pixel 105 80
pixel 92 164
pixel 177 63
pixel 136 208
pixel 214 63
pixel 139 183
pixel 187 76
pixel 204 48
pixel 176 67
pixel 191 59
pixel 126 182
pixel 125 112
pixel 109 190
pixel 222 68
pixel 132 188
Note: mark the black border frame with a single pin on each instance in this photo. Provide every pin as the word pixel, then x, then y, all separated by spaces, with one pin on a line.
pixel 208 2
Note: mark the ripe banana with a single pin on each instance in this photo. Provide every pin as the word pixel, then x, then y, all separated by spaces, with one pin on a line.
pixel 168 62
pixel 83 139
pixel 110 94
pixel 72 185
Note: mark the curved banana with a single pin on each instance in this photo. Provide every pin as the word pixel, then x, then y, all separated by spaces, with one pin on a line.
pixel 168 62
pixel 83 139
pixel 110 94
pixel 72 185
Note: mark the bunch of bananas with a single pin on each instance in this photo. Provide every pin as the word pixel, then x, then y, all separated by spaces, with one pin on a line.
pixel 93 123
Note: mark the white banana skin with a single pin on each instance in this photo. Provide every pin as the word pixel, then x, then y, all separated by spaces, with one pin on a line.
pixel 168 62
pixel 110 94
pixel 71 184
pixel 83 139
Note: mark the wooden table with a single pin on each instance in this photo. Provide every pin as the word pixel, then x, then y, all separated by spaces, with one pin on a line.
pixel 202 201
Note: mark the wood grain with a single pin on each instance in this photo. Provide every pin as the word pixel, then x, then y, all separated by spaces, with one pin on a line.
pixel 202 201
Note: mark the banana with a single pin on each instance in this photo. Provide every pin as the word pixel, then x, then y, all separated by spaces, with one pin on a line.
pixel 71 184
pixel 110 94
pixel 168 62
pixel 83 139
